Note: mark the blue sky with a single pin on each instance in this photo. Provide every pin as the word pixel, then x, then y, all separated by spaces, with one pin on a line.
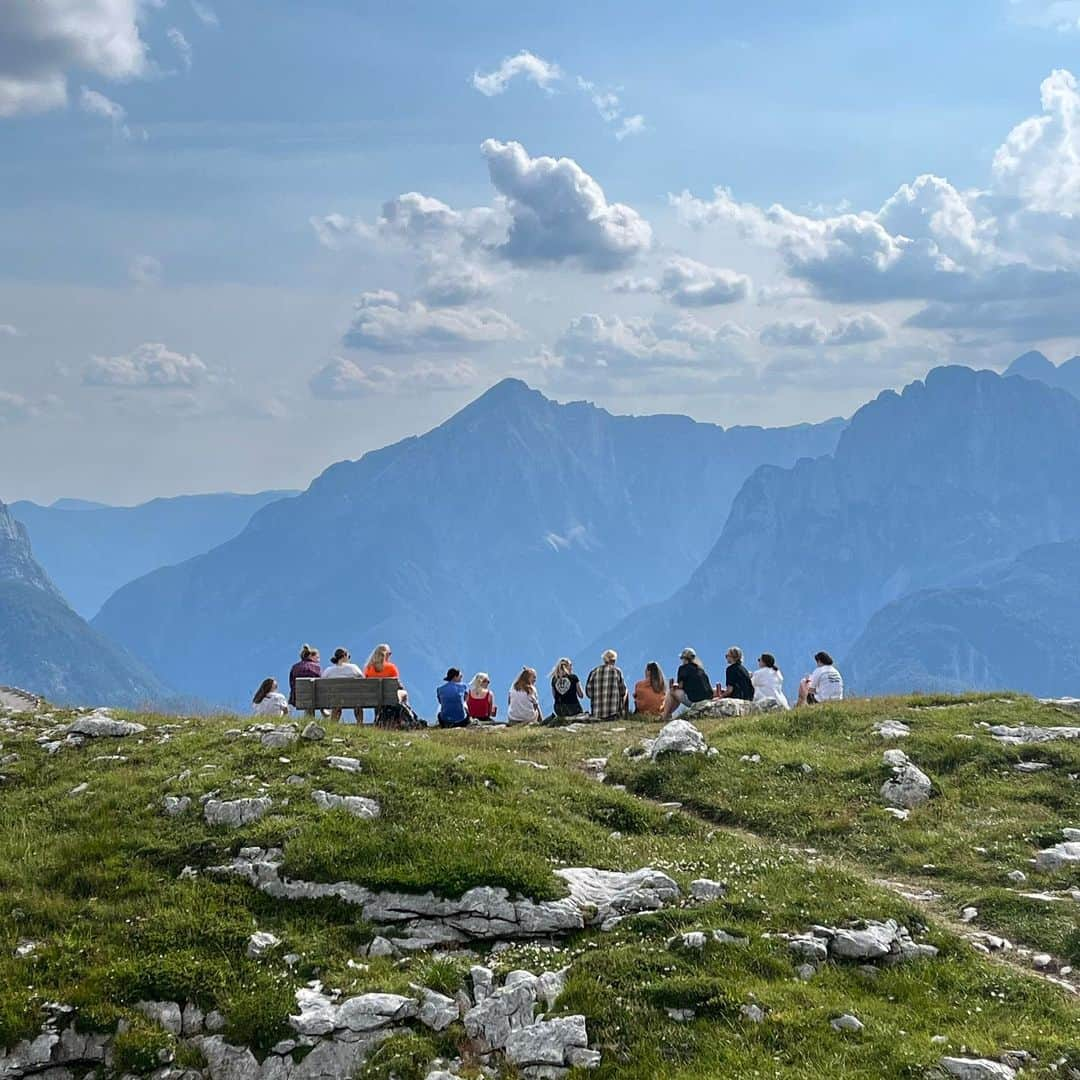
pixel 209 279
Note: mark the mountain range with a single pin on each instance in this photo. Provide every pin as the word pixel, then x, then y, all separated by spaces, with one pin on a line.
pixel 1034 365
pixel 953 477
pixel 47 648
pixel 90 549
pixel 510 535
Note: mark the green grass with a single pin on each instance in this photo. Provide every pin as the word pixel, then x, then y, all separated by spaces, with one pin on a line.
pixel 94 879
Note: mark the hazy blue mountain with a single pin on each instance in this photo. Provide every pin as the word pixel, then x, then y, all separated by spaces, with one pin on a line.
pixel 954 476
pixel 90 550
pixel 1033 365
pixel 48 649
pixel 510 534
pixel 1018 628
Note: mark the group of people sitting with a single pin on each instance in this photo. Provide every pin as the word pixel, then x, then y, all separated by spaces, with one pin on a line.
pixel 461 703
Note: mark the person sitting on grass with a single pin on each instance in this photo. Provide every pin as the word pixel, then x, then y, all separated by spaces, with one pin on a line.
pixel 606 687
pixel 649 694
pixel 523 701
pixel 308 667
pixel 737 683
pixel 768 681
pixel 451 699
pixel 566 689
pixel 341 667
pixel 823 684
pixel 480 701
pixel 267 701
pixel 690 685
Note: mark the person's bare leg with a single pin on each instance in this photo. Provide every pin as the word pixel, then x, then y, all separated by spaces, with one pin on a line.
pixel 335 714
pixel 804 690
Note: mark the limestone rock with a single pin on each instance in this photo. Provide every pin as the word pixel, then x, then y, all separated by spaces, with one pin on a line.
pixel 676 737
pixel 548 1042
pixel 225 1062
pixel 437 1011
pixel 381 946
pixel 976 1069
pixel 345 764
pixel 754 1013
pixel 483 982
pixel 313 732
pixel 892 729
pixel 175 806
pixel 236 812
pixel 166 1014
pixel 705 889
pixel 1031 733
pixel 357 805
pixel 100 724
pixel 506 1010
pixel 278 738
pixel 847 1022
pixel 261 942
pixel 908 788
pixel 1053 858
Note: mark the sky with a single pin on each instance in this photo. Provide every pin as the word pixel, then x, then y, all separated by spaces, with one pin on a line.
pixel 243 239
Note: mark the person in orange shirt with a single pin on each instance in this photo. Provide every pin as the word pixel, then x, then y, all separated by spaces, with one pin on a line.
pixel 380 666
pixel 649 694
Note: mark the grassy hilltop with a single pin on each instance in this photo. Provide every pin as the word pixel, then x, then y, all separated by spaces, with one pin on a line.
pixel 105 899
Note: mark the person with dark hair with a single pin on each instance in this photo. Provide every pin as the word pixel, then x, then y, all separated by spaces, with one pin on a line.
pixel 768 681
pixel 341 667
pixel 649 694
pixel 267 701
pixel 308 667
pixel 451 698
pixel 690 685
pixel 823 684
pixel 737 683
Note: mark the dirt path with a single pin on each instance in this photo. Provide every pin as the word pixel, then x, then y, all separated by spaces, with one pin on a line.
pixel 14 700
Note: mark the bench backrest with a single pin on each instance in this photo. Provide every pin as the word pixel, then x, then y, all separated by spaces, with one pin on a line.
pixel 345 693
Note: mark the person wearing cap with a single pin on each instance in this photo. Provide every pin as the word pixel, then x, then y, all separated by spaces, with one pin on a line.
pixel 737 683
pixel 606 687
pixel 690 685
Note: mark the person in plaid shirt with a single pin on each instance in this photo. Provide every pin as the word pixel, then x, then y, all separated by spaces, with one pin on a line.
pixel 606 688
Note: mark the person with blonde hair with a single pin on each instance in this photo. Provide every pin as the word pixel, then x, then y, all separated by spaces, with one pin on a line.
pixel 480 701
pixel 380 666
pixel 737 683
pixel 690 685
pixel 566 689
pixel 524 705
pixel 606 687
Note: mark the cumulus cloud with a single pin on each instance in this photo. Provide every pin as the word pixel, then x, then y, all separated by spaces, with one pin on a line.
pixel 385 323
pixel 150 366
pixel 526 65
pixel 344 378
pixel 181 45
pixel 452 282
pixel 851 330
pixel 597 343
pixel 44 40
pixel 688 283
pixel 558 212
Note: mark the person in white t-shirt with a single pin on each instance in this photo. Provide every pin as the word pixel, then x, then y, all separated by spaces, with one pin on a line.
pixel 824 684
pixel 768 681
pixel 342 668
pixel 524 704
pixel 267 701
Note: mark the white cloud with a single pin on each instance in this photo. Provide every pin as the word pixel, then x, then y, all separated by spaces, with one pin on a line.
pixel 631 125
pixel 608 103
pixel 97 104
pixel 150 366
pixel 451 282
pixel 1062 16
pixel 44 40
pixel 181 45
pixel 145 270
pixel 9 330
pixel 559 212
pixel 205 13
pixel 15 408
pixel 526 65
pixel 688 283
pixel 850 330
pixel 385 323
pixel 343 378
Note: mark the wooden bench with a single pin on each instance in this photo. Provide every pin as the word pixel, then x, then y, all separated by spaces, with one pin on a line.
pixel 345 693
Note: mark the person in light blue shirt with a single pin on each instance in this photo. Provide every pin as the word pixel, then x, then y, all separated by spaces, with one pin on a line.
pixel 451 698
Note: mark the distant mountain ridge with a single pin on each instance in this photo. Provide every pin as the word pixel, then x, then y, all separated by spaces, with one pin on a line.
pixel 90 550
pixel 1017 629
pixel 1034 365
pixel 954 476
pixel 46 648
pixel 508 535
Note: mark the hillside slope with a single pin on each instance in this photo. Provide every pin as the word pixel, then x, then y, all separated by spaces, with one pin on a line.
pixel 1018 628
pixel 90 550
pixel 952 477
pixel 46 648
pixel 507 536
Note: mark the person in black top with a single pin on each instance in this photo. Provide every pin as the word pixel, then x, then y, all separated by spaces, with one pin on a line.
pixel 737 682
pixel 690 685
pixel 566 689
